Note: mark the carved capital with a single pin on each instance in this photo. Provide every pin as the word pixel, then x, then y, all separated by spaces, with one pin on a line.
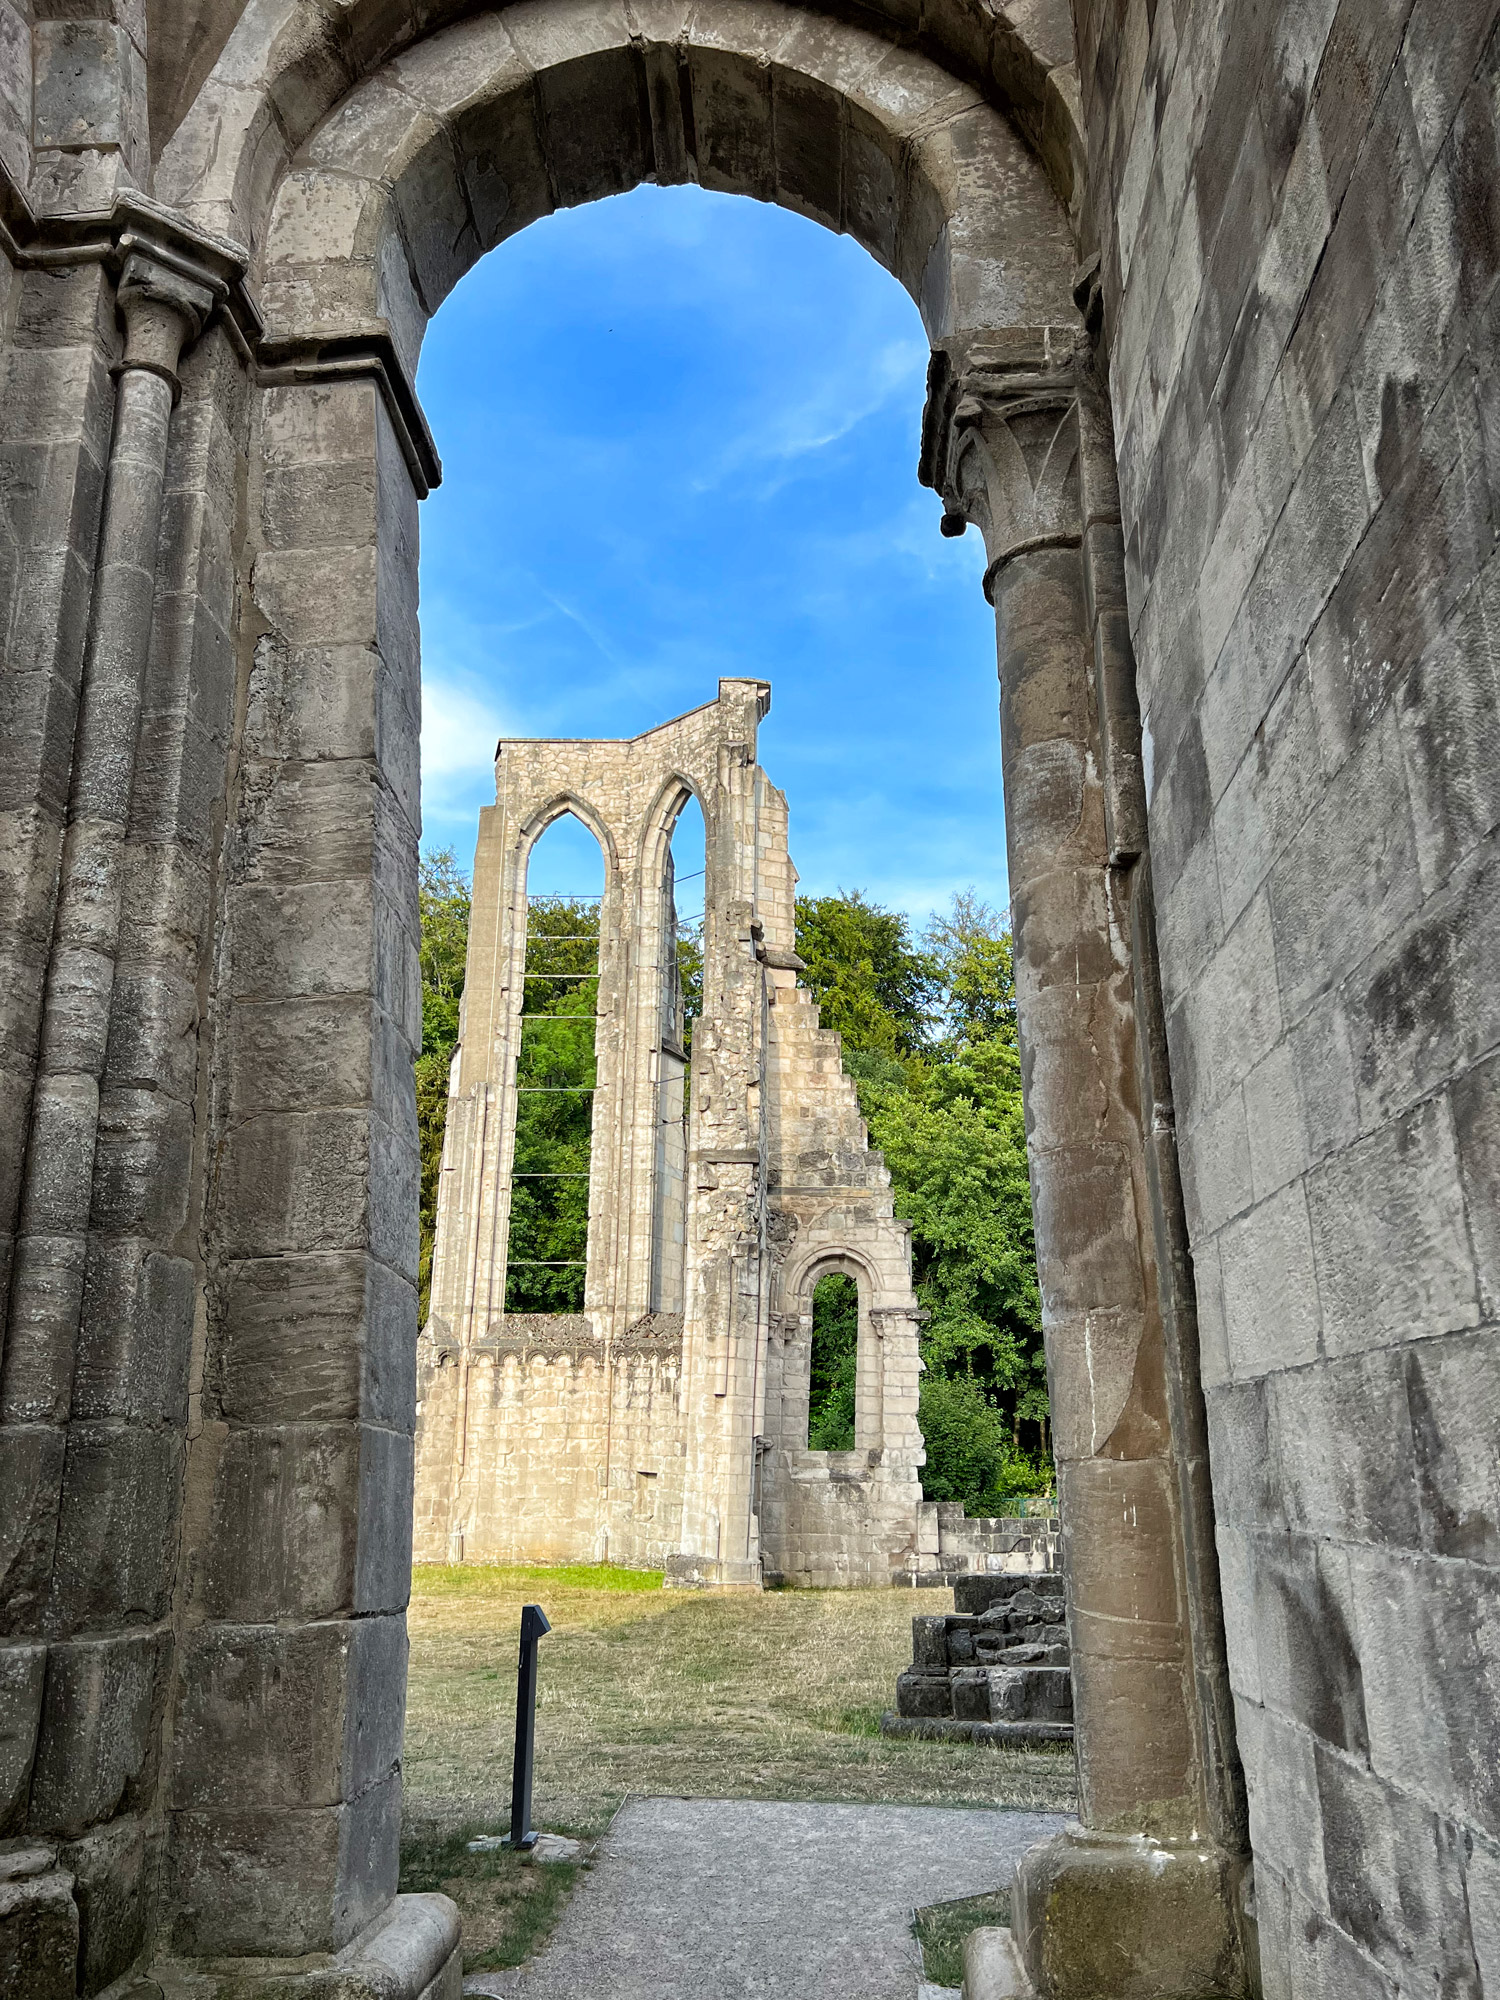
pixel 164 310
pixel 1000 443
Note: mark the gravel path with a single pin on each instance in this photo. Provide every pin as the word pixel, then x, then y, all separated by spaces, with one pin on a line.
pixel 692 1898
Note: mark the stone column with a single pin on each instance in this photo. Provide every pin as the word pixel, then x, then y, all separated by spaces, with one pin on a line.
pixel 161 311
pixel 90 1505
pixel 727 1270
pixel 1139 1902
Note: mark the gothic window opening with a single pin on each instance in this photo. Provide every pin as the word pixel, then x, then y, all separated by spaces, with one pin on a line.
pixel 682 891
pixel 556 1085
pixel 834 1363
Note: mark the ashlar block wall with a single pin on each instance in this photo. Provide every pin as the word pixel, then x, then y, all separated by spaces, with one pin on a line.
pixel 1297 212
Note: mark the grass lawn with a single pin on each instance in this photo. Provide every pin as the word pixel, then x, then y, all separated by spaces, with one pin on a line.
pixel 943 1928
pixel 645 1690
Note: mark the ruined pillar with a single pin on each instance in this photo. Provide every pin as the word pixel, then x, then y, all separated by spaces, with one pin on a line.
pixel 281 1791
pixel 1142 1900
pixel 93 1379
pixel 727 1276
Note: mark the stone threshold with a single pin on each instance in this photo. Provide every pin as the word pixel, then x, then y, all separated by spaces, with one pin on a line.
pixel 410 1952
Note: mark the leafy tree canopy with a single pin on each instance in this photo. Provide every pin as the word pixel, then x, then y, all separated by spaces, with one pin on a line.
pixel 443 903
pixel 872 984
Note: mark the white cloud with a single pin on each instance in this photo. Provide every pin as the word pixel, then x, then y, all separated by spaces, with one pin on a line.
pixel 846 397
pixel 461 725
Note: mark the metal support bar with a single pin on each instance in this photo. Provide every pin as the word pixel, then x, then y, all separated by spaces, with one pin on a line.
pixel 533 1624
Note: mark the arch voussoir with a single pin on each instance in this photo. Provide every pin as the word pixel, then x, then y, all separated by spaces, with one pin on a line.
pixel 494 122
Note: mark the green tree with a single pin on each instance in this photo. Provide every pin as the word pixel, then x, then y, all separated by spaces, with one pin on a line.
pixel 972 946
pixel 443 908
pixel 835 1355
pixel 871 982
pixel 555 1074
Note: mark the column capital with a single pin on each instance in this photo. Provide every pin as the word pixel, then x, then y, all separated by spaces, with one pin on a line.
pixel 1000 441
pixel 156 252
pixel 164 310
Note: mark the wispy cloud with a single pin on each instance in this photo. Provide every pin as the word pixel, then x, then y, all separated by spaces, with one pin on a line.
pixel 781 433
pixel 461 724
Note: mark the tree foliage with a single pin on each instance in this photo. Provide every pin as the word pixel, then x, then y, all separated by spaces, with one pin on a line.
pixel 555 1074
pixel 443 906
pixel 835 1356
pixel 871 983
pixel 939 1084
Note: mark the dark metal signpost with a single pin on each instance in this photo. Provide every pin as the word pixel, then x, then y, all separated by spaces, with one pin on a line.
pixel 533 1625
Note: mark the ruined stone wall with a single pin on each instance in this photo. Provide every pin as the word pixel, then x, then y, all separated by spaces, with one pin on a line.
pixel 1297 208
pixel 577 1438
pixel 847 1516
pixel 567 1457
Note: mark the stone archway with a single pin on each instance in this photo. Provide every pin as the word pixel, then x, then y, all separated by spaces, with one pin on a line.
pixel 365 179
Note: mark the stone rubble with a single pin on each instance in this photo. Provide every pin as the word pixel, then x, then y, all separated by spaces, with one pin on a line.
pixel 995 1669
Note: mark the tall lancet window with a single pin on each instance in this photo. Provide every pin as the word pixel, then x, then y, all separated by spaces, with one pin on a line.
pixel 682 989
pixel 556 1075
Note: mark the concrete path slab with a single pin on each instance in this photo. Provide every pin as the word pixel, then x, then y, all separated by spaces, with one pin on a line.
pixel 691 1898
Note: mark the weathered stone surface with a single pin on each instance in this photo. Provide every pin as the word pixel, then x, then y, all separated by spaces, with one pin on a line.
pixel 925 1694
pixel 999 1670
pixel 111 1890
pixel 1128 1917
pixel 22 1668
pixel 38 1935
pixel 96 1748
pixel 1287 300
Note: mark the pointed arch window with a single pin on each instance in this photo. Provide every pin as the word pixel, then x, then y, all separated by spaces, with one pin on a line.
pixel 682 892
pixel 833 1364
pixel 556 1076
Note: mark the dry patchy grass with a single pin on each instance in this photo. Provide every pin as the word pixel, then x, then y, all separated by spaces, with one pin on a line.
pixel 508 1903
pixel 677 1692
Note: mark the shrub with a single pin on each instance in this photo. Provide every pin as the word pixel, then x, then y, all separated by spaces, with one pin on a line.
pixel 971 1455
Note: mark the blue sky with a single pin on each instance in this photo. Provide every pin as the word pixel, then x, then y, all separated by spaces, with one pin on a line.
pixel 679 433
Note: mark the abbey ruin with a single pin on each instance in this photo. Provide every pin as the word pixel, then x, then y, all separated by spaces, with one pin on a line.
pixel 666 1423
pixel 1210 291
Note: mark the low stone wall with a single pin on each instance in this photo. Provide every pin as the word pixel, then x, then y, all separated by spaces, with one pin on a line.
pixel 571 1453
pixel 950 1544
pixel 996 1669
pixel 834 1519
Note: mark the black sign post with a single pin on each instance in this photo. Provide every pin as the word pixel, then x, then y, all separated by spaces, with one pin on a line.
pixel 533 1625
